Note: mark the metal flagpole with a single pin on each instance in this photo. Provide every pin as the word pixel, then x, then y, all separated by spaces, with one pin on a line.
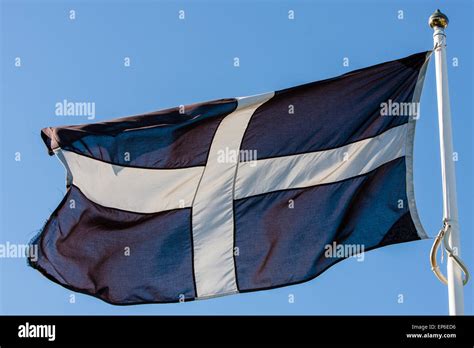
pixel 438 21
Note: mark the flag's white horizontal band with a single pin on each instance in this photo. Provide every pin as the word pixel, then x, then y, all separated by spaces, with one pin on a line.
pixel 154 190
pixel 321 167
pixel 133 189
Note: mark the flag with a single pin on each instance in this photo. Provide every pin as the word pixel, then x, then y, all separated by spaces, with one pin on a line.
pixel 236 195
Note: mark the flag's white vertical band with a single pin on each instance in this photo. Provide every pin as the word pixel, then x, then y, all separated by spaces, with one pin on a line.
pixel 212 208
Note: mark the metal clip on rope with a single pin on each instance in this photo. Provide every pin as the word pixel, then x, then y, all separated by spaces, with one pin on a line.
pixel 443 235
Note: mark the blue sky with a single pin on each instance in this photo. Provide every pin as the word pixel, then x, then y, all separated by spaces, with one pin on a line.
pixel 177 62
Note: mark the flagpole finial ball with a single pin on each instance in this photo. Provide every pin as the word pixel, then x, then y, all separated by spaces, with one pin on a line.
pixel 438 19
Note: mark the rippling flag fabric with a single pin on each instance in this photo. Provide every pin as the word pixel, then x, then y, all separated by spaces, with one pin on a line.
pixel 235 195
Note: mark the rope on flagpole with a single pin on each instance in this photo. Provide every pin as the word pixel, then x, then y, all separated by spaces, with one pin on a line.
pixel 443 236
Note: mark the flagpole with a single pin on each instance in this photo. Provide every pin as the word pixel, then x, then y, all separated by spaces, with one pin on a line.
pixel 438 22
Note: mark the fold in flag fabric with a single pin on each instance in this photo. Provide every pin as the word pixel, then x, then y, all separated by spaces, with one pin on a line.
pixel 236 195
